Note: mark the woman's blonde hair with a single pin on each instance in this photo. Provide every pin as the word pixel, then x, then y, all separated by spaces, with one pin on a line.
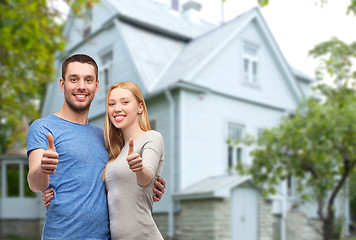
pixel 114 139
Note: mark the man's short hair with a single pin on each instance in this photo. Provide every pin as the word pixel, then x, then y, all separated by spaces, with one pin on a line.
pixel 82 58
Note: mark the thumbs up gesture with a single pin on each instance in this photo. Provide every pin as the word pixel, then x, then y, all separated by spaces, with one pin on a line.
pixel 49 159
pixel 133 159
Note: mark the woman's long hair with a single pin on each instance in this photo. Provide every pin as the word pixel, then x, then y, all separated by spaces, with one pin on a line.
pixel 114 139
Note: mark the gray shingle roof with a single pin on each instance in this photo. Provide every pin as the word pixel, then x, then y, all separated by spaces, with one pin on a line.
pixel 217 186
pixel 196 50
pixel 153 15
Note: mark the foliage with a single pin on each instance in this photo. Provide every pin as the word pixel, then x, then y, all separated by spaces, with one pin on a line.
pixel 31 34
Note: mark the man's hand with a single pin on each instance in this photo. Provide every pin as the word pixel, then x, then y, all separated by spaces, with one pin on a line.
pixel 133 159
pixel 49 159
pixel 160 185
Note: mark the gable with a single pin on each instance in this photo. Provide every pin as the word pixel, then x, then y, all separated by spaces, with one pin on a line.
pixel 214 61
pixel 225 72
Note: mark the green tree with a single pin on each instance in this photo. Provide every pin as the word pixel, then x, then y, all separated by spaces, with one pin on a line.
pixel 31 34
pixel 317 147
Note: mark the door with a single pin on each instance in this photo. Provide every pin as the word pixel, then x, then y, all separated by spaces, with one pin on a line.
pixel 244 213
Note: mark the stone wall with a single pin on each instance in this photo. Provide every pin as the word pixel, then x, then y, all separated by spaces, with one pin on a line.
pixel 300 227
pixel 207 219
pixel 265 220
pixel 210 219
pixel 20 228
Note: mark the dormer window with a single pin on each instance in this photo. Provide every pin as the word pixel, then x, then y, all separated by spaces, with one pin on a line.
pixel 250 64
pixel 87 23
pixel 86 32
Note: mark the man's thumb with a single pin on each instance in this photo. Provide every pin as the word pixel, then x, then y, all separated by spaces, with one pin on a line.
pixel 131 144
pixel 51 142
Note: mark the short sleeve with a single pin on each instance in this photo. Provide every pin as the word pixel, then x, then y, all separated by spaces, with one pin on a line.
pixel 153 153
pixel 37 136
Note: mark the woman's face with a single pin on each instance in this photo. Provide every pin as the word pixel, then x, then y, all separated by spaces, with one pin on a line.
pixel 123 109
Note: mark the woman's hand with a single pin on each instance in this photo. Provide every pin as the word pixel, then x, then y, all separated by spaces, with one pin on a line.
pixel 47 196
pixel 134 159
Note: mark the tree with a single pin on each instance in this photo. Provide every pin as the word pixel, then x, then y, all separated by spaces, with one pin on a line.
pixel 31 34
pixel 317 147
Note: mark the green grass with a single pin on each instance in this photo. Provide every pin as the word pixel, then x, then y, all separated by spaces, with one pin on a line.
pixel 352 238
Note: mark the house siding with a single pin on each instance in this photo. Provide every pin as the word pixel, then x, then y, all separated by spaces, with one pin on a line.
pixel 204 134
pixel 159 110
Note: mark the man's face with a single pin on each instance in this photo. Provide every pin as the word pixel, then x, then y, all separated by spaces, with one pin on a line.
pixel 79 86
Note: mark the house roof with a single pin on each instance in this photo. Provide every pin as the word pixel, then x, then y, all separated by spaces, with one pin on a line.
pixel 212 187
pixel 152 15
pixel 196 51
pixel 168 48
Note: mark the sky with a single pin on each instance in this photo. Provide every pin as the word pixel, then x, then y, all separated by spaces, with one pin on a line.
pixel 297 25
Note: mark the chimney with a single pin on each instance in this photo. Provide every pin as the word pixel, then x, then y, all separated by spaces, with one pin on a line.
pixel 191 10
pixel 175 5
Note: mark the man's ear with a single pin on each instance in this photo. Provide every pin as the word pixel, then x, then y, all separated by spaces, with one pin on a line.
pixel 61 84
pixel 97 86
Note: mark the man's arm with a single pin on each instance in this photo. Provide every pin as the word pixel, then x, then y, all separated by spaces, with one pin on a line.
pixel 158 190
pixel 42 163
pixel 37 180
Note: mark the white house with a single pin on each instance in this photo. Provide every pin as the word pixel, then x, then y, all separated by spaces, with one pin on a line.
pixel 203 84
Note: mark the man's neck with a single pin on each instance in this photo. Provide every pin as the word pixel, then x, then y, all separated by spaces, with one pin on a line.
pixel 73 116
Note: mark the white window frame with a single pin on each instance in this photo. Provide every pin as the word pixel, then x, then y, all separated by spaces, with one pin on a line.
pixel 105 73
pixel 86 31
pixel 253 60
pixel 235 153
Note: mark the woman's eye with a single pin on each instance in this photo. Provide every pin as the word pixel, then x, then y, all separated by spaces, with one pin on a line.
pixel 111 104
pixel 125 102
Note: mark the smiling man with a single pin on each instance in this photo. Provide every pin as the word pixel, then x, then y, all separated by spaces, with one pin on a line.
pixel 67 154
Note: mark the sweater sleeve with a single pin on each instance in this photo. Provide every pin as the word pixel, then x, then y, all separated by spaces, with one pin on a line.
pixel 152 153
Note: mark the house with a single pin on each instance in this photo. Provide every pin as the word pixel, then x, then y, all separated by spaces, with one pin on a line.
pixel 202 84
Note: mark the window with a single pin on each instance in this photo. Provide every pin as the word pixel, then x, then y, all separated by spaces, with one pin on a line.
pixel 235 152
pixel 250 64
pixel 86 32
pixel 88 16
pixel 13 180
pixel 153 124
pixel 105 73
pixel 290 186
pixel 1 173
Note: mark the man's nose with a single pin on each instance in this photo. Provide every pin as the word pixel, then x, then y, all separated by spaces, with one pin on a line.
pixel 81 84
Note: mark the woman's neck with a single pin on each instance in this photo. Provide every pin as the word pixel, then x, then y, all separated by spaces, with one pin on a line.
pixel 133 132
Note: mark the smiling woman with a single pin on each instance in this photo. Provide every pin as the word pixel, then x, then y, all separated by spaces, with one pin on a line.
pixel 136 160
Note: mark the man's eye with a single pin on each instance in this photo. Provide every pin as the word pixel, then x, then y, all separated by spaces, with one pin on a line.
pixel 73 79
pixel 89 80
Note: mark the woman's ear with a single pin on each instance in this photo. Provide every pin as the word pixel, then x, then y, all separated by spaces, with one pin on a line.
pixel 140 108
